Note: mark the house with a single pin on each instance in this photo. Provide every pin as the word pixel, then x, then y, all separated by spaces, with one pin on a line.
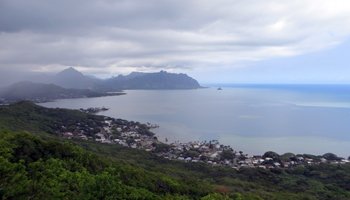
pixel 68 135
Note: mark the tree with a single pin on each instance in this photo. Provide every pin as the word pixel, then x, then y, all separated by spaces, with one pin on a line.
pixel 161 147
pixel 227 155
pixel 191 153
pixel 270 154
pixel 287 156
pixel 331 157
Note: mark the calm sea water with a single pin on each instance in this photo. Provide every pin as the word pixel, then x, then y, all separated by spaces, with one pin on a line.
pixel 255 119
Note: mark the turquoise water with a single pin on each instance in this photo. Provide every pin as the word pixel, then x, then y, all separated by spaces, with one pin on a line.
pixel 252 119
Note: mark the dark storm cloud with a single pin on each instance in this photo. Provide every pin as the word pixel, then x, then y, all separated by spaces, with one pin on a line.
pixel 66 16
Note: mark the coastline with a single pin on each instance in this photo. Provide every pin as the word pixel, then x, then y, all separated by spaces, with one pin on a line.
pixel 199 119
pixel 130 134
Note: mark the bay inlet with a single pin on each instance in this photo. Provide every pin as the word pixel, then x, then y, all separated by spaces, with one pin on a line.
pixel 251 119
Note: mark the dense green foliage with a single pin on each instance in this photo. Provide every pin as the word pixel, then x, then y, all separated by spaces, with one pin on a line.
pixel 36 165
pixel 30 117
pixel 39 169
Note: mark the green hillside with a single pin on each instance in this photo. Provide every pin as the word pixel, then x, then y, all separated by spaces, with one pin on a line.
pixel 35 163
pixel 26 115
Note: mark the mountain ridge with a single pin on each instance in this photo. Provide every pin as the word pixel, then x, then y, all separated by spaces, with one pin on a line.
pixel 71 83
pixel 72 78
pixel 155 80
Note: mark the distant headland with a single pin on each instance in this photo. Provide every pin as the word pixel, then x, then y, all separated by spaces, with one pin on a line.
pixel 71 83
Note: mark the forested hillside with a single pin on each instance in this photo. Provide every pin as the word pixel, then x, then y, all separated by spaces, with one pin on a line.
pixel 37 164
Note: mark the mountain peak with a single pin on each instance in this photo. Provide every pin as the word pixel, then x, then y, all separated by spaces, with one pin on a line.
pixel 72 78
pixel 70 71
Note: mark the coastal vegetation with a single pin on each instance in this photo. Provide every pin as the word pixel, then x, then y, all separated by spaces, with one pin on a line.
pixel 37 163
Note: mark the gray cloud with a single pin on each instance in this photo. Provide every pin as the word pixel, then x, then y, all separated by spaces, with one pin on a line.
pixel 118 36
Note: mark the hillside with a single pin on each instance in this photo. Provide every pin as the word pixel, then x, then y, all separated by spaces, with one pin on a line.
pixel 40 92
pixel 33 168
pixel 40 163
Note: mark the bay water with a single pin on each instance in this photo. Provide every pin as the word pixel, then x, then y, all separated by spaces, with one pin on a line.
pixel 254 119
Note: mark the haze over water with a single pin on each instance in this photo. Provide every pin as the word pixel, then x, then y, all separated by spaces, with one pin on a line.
pixel 255 119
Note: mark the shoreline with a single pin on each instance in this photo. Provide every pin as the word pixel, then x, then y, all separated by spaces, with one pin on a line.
pixel 133 134
pixel 210 152
pixel 247 125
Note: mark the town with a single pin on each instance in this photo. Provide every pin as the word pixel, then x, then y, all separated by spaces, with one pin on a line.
pixel 214 153
pixel 93 110
pixel 139 136
pixel 110 131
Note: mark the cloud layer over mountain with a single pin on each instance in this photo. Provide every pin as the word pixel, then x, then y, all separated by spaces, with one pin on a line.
pixel 111 36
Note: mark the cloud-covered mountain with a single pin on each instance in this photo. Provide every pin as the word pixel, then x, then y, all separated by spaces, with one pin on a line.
pixel 71 78
pixel 113 36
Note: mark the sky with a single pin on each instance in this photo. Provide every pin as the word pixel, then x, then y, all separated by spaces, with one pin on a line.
pixel 221 41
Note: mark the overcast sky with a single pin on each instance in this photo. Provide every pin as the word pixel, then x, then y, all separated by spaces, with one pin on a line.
pixel 213 41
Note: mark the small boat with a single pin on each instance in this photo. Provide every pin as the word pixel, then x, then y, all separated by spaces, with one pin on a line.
pixel 219 88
